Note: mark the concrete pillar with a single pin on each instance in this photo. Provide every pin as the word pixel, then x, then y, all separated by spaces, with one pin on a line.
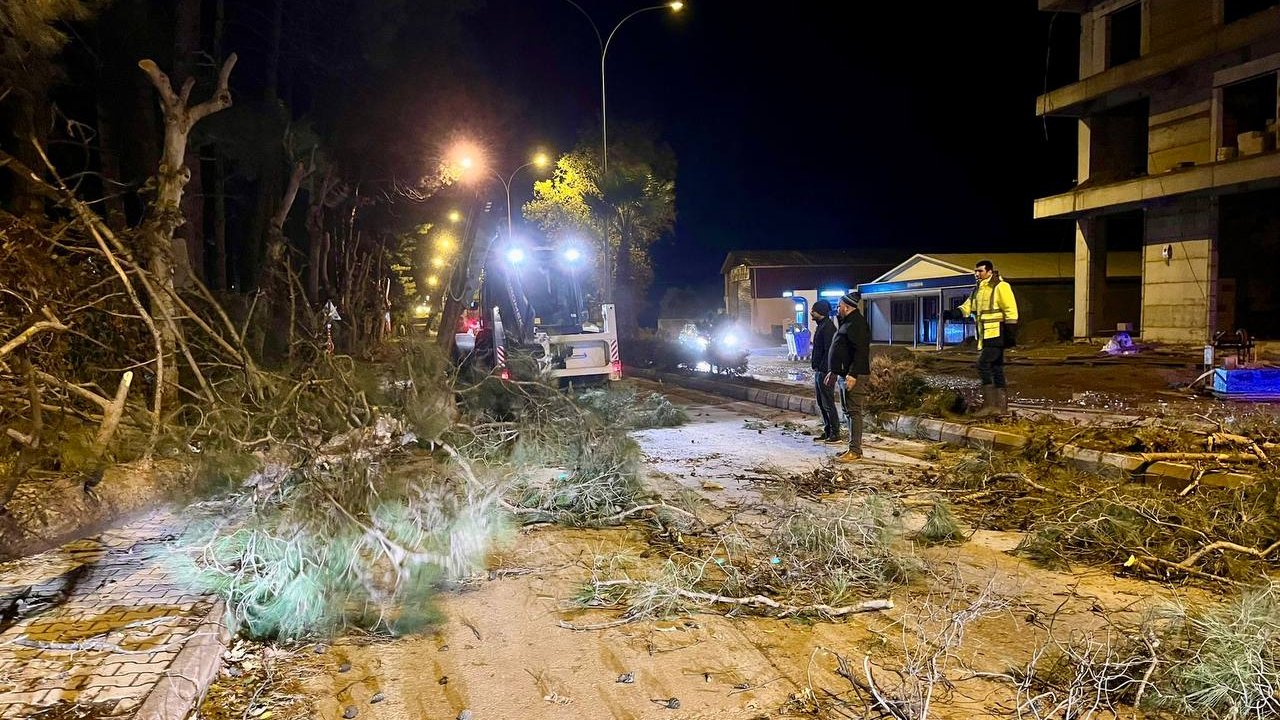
pixel 942 324
pixel 1180 271
pixel 1091 277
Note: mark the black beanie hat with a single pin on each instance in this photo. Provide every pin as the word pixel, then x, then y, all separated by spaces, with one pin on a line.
pixel 823 307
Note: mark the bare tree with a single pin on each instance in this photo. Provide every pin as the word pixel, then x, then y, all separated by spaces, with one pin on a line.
pixel 166 215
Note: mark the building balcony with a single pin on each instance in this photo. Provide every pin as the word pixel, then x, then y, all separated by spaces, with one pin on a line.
pixel 1230 176
pixel 1124 83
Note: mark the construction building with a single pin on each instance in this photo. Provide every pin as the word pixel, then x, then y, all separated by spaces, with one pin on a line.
pixel 1176 104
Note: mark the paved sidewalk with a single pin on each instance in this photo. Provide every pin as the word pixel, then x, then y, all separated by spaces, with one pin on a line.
pixel 98 628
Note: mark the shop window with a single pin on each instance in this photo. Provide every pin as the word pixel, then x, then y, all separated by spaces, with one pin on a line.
pixel 903 312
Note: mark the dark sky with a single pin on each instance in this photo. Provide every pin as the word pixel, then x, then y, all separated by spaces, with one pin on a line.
pixel 898 126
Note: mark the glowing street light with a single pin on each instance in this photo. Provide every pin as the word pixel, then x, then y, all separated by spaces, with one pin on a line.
pixel 540 160
pixel 437 262
pixel 573 255
pixel 675 7
pixel 433 280
pixel 515 255
pixel 455 216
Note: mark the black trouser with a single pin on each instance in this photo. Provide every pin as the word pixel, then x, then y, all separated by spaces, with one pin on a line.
pixel 826 405
pixel 991 362
pixel 853 401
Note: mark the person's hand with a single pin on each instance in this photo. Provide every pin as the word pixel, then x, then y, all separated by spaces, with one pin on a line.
pixel 829 380
pixel 849 382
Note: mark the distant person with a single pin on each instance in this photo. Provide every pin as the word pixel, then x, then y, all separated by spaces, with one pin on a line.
pixel 995 311
pixel 823 332
pixel 850 364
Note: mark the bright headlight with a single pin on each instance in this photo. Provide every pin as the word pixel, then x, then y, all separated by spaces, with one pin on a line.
pixel 730 340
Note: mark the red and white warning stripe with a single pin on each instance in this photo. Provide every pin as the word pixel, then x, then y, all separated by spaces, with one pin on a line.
pixel 615 361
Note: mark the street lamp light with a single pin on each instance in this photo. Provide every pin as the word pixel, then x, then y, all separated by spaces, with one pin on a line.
pixel 515 255
pixel 540 161
pixel 455 216
pixel 676 6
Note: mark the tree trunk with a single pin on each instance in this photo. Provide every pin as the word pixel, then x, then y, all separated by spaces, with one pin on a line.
pixel 165 215
pixel 218 263
pixel 624 284
pixel 317 238
pixel 462 282
pixel 33 119
pixel 109 161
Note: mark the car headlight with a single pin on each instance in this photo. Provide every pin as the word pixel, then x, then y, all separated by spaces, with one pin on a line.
pixel 730 340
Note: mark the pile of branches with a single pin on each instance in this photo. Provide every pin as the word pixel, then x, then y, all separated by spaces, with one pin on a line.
pixel 898 384
pixel 1214 662
pixel 346 540
pixel 812 562
pixel 571 458
pixel 623 407
pixel 1114 519
pixel 102 359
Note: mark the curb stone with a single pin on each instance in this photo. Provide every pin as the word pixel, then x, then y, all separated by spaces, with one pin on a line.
pixel 923 428
pixel 192 671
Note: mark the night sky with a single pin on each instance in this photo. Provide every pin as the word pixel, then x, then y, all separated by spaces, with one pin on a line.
pixel 800 125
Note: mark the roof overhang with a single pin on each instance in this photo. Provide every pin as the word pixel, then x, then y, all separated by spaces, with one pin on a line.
pixel 900 286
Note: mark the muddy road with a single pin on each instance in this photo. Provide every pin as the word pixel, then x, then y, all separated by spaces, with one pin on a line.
pixel 501 649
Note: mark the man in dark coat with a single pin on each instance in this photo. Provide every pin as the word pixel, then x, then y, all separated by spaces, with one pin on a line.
pixel 819 361
pixel 849 363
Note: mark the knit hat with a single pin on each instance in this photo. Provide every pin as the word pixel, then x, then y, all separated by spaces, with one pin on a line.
pixel 851 298
pixel 822 307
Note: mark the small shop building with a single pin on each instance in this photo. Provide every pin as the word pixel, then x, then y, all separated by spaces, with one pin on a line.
pixel 905 304
pixel 763 288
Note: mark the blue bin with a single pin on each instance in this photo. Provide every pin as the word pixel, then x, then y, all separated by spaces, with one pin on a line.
pixel 798 343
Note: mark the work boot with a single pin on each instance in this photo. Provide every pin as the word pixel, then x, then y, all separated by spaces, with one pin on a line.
pixel 1002 402
pixel 988 406
pixel 848 456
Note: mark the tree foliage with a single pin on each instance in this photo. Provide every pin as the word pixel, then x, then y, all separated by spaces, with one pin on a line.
pixel 623 213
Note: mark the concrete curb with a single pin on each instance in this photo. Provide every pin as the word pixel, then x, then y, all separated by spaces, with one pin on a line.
pixel 192 671
pixel 923 428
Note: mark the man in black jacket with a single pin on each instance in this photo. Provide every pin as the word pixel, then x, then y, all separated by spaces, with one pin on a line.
pixel 850 364
pixel 819 361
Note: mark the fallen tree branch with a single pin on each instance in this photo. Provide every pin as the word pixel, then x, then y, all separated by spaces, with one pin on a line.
pixel 785 610
pixel 49 323
pixel 111 416
pixel 1205 456
pixel 1026 481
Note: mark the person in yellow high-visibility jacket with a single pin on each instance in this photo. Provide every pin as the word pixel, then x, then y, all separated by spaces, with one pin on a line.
pixel 995 312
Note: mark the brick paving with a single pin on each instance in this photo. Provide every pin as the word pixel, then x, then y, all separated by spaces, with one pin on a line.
pixel 89 629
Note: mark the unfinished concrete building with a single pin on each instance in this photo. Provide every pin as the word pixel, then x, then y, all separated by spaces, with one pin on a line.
pixel 1177 104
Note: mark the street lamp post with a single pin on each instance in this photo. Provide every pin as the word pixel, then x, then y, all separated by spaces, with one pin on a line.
pixel 604 42
pixel 539 160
